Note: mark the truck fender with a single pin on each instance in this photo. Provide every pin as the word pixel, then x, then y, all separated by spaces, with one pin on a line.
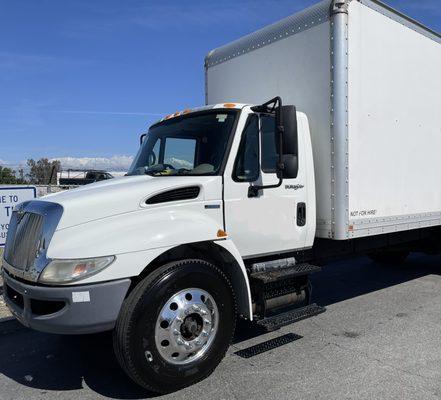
pixel 239 279
pixel 223 254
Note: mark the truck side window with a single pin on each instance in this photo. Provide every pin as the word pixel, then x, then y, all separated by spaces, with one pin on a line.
pixel 269 150
pixel 246 167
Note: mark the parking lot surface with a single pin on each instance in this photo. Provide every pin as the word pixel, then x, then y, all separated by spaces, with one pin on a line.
pixel 379 339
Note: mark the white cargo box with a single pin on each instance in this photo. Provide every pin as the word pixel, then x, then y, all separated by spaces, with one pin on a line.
pixel 369 80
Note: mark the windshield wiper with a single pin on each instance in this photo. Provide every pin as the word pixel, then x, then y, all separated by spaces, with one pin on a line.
pixel 171 172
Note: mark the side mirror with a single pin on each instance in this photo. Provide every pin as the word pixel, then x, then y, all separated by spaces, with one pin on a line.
pixel 141 138
pixel 289 122
pixel 288 119
pixel 151 160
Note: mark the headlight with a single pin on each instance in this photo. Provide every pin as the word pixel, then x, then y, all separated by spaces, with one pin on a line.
pixel 64 271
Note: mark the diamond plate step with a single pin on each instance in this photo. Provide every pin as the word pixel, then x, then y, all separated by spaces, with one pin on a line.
pixel 285 273
pixel 267 345
pixel 289 317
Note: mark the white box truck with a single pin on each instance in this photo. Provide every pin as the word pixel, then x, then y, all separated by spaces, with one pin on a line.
pixel 322 140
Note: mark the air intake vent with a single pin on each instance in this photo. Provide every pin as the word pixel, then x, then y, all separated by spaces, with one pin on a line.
pixel 186 193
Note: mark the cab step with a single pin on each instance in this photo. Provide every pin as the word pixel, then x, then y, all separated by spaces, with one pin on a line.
pixel 289 317
pixel 276 290
pixel 285 273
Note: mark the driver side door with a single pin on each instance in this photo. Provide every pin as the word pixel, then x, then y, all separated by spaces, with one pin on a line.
pixel 267 223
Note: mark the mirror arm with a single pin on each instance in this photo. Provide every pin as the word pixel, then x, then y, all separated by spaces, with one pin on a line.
pixel 253 191
pixel 141 138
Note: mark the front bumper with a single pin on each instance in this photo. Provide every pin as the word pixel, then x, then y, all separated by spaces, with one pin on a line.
pixel 65 309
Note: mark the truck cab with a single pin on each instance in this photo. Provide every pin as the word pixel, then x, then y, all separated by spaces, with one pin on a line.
pixel 210 191
pixel 240 147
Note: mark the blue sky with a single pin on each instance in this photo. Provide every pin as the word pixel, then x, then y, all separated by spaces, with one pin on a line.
pixel 83 78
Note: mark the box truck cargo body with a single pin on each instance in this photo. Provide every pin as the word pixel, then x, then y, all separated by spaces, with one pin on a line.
pixel 320 139
pixel 369 81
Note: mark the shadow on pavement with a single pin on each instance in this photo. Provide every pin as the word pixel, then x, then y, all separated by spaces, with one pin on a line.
pixel 65 363
pixel 354 277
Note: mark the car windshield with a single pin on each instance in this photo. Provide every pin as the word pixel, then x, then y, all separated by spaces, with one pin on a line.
pixel 191 144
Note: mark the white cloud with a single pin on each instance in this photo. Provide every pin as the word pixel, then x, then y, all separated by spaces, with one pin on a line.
pixel 8 164
pixel 179 163
pixel 114 163
pixel 111 164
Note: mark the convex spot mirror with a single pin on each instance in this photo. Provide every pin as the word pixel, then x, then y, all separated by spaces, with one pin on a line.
pixel 291 166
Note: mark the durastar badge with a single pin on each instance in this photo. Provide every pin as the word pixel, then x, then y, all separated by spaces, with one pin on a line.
pixel 294 187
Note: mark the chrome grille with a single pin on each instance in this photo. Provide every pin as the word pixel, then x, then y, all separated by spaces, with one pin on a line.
pixel 24 239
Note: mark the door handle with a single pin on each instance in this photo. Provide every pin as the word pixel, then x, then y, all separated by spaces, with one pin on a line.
pixel 301 214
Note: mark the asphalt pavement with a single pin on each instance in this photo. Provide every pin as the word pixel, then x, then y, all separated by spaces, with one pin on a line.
pixel 378 339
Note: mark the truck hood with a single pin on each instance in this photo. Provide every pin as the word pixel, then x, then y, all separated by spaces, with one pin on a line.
pixel 125 195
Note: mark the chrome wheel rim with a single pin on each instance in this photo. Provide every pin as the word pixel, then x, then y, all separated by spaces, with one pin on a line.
pixel 186 326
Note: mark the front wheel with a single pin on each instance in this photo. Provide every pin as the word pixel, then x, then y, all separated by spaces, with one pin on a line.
pixel 176 325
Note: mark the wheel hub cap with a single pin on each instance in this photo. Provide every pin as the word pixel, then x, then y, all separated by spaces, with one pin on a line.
pixel 192 326
pixel 186 326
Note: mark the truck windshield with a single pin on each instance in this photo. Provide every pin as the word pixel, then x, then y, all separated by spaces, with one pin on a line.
pixel 192 144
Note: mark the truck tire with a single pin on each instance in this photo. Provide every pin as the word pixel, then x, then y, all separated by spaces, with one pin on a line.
pixel 389 256
pixel 175 326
